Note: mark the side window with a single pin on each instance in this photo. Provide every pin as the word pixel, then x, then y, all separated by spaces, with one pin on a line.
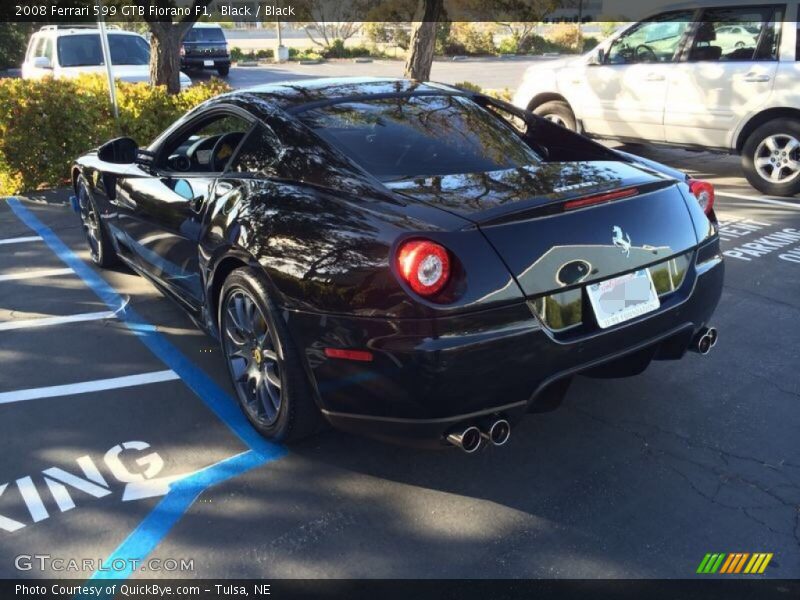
pixel 797 46
pixel 653 41
pixel 737 34
pixel 32 48
pixel 39 48
pixel 47 50
pixel 258 153
pixel 206 147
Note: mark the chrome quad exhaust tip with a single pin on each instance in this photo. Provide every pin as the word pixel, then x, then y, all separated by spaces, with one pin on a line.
pixel 468 440
pixel 705 340
pixel 497 432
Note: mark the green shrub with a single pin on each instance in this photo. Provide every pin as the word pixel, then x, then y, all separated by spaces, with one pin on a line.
pixel 589 43
pixel 46 124
pixel 239 55
pixel 566 36
pixel 508 45
pixel 466 39
pixel 501 94
pixel 305 54
pixel 335 50
pixel 468 85
pixel 236 54
pixel 393 34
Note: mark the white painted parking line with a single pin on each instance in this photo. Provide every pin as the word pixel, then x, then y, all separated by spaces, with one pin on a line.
pixel 794 205
pixel 47 321
pixel 97 385
pixel 19 240
pixel 35 274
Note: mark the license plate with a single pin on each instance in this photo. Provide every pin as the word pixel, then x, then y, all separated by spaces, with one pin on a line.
pixel 623 298
pixel 208 63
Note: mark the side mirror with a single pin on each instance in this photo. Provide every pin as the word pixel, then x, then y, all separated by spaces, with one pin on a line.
pixel 42 62
pixel 121 151
pixel 598 57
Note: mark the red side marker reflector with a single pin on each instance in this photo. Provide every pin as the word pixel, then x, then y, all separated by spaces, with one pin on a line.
pixel 600 198
pixel 359 355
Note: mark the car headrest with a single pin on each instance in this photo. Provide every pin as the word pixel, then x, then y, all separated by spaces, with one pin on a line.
pixel 705 32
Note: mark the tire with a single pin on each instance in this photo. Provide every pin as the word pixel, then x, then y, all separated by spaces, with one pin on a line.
pixel 768 172
pixel 251 325
pixel 558 112
pixel 98 238
pixel 223 71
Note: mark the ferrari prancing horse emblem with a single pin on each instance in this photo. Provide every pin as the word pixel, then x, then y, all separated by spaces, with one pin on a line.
pixel 621 240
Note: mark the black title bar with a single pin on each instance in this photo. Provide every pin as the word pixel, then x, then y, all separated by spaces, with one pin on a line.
pixel 309 11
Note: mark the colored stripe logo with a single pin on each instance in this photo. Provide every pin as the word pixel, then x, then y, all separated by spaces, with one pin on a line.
pixel 735 562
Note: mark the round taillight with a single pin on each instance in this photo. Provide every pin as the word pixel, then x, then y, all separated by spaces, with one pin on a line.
pixel 704 192
pixel 424 266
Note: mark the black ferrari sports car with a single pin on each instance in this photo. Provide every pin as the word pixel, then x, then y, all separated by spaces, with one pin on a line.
pixel 406 260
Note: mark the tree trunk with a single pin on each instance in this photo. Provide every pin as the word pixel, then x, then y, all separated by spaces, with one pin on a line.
pixel 423 42
pixel 165 55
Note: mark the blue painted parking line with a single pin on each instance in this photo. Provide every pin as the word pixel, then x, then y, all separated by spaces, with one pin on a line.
pixel 146 537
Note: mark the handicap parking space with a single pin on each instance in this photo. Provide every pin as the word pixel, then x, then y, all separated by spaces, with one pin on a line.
pixel 636 477
pixel 99 426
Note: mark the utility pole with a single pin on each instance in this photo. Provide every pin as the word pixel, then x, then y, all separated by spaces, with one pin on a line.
pixel 112 90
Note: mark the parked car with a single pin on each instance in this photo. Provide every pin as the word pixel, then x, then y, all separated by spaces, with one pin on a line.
pixel 69 51
pixel 205 47
pixel 409 261
pixel 725 77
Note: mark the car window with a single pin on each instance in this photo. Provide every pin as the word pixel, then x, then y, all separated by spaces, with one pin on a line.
pixel 39 51
pixel 400 137
pixel 207 147
pixel 737 34
pixel 84 50
pixel 797 46
pixel 47 49
pixel 258 152
pixel 205 34
pixel 654 40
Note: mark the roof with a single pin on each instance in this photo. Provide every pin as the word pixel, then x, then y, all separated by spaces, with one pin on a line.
pixel 205 25
pixel 62 31
pixel 298 95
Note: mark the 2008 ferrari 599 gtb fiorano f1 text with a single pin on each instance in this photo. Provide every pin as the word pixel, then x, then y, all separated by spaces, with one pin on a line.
pixel 405 260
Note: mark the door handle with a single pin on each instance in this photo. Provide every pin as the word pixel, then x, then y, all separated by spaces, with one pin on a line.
pixel 754 78
pixel 654 77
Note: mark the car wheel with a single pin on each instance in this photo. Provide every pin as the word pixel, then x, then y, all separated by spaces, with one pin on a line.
pixel 223 71
pixel 266 372
pixel 98 238
pixel 557 112
pixel 771 158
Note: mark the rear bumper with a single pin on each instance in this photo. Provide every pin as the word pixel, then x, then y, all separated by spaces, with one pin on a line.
pixel 429 376
pixel 200 62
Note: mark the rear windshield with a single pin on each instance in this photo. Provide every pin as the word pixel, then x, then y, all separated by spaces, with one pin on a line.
pixel 396 138
pixel 205 34
pixel 84 50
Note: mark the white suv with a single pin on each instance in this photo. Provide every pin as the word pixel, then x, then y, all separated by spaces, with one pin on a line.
pixel 69 51
pixel 724 77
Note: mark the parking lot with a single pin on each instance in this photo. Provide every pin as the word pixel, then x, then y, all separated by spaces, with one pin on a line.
pixel 122 439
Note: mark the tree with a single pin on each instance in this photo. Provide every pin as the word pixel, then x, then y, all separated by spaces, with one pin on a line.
pixel 520 17
pixel 165 42
pixel 325 22
pixel 13 42
pixel 423 40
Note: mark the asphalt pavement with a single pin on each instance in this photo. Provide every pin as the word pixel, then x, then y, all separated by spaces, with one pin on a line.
pixel 122 439
pixel 489 73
